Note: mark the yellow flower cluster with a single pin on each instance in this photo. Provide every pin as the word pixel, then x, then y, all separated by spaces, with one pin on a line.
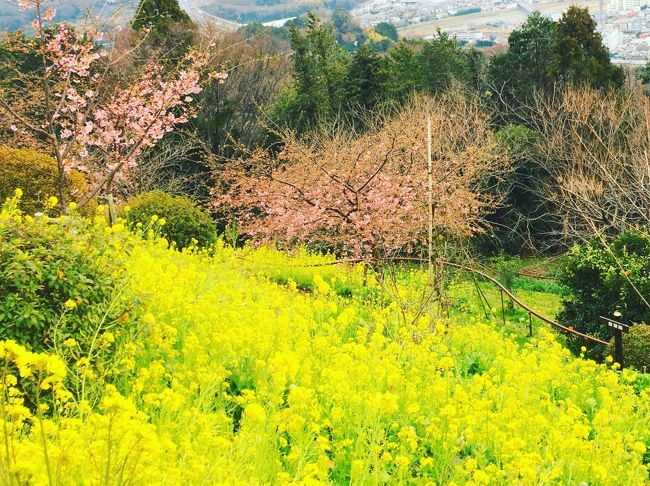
pixel 251 368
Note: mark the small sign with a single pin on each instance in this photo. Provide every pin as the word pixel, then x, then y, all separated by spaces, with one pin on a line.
pixel 619 326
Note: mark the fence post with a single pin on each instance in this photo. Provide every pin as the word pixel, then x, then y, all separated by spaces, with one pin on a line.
pixel 618 347
pixel 503 309
pixel 530 324
pixel 619 329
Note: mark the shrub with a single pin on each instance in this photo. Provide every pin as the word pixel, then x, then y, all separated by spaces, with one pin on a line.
pixel 36 174
pixel 184 221
pixel 636 348
pixel 605 279
pixel 57 277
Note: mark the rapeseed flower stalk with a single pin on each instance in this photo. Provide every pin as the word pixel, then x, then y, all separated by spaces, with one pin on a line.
pixel 251 366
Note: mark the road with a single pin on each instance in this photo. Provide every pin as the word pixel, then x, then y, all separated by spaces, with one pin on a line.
pixel 199 15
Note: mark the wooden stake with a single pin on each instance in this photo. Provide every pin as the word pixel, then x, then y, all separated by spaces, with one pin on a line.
pixel 430 208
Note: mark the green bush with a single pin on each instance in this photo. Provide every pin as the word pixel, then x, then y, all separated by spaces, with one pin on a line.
pixel 36 174
pixel 184 221
pixel 58 279
pixel 636 348
pixel 605 279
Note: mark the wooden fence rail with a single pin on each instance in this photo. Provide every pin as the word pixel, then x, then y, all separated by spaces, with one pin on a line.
pixel 502 288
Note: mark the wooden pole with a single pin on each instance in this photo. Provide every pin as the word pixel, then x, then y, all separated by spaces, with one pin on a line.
pixel 112 210
pixel 503 310
pixel 618 347
pixel 619 329
pixel 430 208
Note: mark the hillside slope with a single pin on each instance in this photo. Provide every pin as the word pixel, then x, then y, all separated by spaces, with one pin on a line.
pixel 11 18
pixel 249 367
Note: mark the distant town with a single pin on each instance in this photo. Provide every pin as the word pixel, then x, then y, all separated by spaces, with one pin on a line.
pixel 624 24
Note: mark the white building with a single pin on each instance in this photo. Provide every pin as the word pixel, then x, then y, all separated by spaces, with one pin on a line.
pixel 613 39
pixel 614 6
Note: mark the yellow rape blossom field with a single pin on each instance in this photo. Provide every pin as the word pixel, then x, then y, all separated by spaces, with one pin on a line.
pixel 251 367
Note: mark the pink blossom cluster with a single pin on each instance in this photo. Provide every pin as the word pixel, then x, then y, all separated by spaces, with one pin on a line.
pixel 99 128
pixel 135 118
pixel 338 193
pixel 71 54
pixel 42 14
pixel 119 126
pixel 366 194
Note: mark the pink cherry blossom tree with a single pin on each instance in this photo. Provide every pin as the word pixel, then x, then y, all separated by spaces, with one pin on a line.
pixel 90 119
pixel 366 194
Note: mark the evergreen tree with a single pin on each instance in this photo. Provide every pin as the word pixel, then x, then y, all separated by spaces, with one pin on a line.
pixel 320 68
pixel 518 73
pixel 365 80
pixel 441 61
pixel 401 70
pixel 169 26
pixel 579 55
pixel 475 68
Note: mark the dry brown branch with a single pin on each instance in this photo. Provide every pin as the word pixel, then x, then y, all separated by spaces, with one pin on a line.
pixel 595 149
pixel 365 193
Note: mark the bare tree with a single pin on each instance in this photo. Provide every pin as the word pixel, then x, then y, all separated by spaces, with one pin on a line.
pixel 177 165
pixel 595 150
pixel 258 67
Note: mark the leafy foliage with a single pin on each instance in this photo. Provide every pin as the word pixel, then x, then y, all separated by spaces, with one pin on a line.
pixel 158 15
pixel 644 73
pixel 365 79
pixel 57 280
pixel 579 55
pixel 319 69
pixel 520 223
pixel 184 220
pixel 607 278
pixel 17 54
pixel 387 29
pixel 36 174
pixel 332 86
pixel 516 74
pixel 165 30
pixel 636 348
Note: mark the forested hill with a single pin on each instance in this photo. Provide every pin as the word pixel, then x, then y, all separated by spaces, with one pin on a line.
pixel 120 11
pixel 12 18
